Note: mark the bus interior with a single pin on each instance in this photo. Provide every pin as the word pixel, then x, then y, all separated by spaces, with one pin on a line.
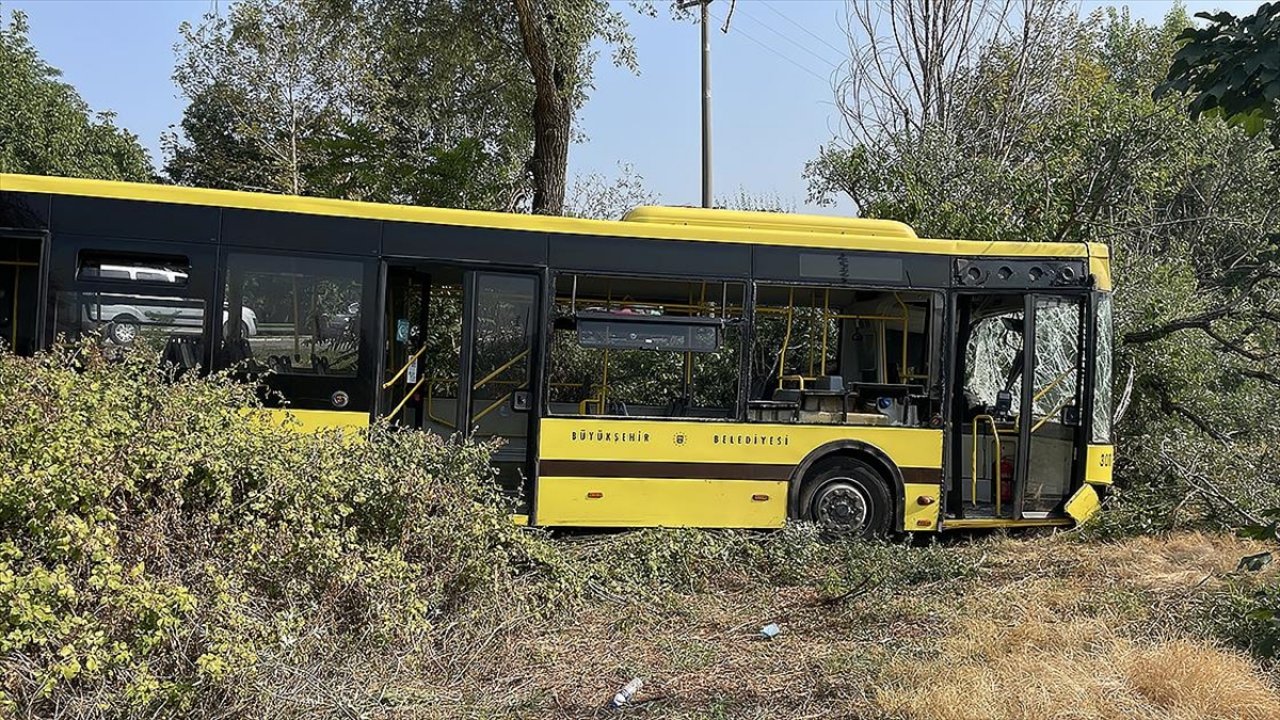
pixel 637 347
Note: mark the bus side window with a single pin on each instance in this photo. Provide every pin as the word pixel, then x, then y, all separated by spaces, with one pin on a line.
pixel 292 315
pixel 125 298
pixel 638 347
pixel 841 356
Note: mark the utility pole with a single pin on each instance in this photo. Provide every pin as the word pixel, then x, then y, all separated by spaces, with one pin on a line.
pixel 706 97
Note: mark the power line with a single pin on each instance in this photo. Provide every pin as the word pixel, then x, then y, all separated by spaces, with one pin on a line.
pixel 764 45
pixel 804 29
pixel 788 38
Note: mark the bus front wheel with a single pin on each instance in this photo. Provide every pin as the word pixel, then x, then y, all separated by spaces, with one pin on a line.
pixel 848 496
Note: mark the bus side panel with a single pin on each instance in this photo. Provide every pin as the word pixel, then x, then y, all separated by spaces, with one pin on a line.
pixel 1097 469
pixel 652 502
pixel 315 420
pixel 920 507
pixel 627 473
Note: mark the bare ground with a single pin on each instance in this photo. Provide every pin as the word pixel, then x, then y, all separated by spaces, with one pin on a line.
pixel 1038 628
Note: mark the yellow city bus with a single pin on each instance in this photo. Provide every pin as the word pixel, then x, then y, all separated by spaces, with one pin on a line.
pixel 677 367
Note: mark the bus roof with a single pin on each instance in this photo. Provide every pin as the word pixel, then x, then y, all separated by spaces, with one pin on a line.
pixel 770 221
pixel 670 223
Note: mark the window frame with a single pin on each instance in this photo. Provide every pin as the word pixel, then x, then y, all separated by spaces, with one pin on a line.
pixel 736 414
pixel 64 255
pixel 313 391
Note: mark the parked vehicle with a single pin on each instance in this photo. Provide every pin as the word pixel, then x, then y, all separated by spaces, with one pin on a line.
pixel 124 316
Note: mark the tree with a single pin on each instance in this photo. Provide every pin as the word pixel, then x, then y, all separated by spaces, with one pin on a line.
pixel 378 100
pixel 601 198
pixel 446 110
pixel 1231 67
pixel 265 83
pixel 555 36
pixel 45 126
pixel 423 102
pixel 1050 132
pixel 910 61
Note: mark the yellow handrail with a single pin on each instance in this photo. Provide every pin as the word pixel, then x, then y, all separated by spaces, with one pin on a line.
pixel 431 399
pixel 492 406
pixel 582 406
pixel 813 302
pixel 826 325
pixel 996 481
pixel 386 385
pixel 833 316
pixel 801 378
pixel 786 337
pixel 404 400
pixel 520 356
pixel 906 333
pixel 1051 385
pixel 1048 417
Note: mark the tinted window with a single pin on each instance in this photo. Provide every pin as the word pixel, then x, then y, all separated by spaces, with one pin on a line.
pixel 174 325
pixel 167 269
pixel 293 315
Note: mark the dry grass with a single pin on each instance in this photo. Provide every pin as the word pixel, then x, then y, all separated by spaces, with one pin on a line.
pixel 1046 628
pixel 1058 635
pixel 1186 680
pixel 1046 667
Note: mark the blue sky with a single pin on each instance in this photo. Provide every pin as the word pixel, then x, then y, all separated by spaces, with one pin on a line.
pixel 771 86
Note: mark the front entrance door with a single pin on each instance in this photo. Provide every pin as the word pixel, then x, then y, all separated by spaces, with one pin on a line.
pixel 1051 426
pixel 1016 423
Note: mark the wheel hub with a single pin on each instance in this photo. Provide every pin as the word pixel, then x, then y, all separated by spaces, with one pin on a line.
pixel 843 505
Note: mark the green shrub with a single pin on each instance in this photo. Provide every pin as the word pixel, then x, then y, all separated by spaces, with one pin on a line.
pixel 690 560
pixel 1246 614
pixel 165 550
pixel 158 539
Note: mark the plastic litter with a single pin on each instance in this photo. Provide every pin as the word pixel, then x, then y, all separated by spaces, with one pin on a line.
pixel 770 631
pixel 627 692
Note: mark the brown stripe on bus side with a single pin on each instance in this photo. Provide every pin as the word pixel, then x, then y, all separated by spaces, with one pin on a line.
pixel 676 470
pixel 922 476
pixel 698 470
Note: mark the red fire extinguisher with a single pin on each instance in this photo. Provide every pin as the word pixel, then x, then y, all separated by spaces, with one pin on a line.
pixel 1006 480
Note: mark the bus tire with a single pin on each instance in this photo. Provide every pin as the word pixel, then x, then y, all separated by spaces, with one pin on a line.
pixel 848 496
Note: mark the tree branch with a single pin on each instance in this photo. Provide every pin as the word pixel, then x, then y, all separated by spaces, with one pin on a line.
pixel 1170 407
pixel 1200 321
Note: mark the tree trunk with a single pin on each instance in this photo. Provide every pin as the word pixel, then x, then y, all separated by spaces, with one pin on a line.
pixel 551 112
